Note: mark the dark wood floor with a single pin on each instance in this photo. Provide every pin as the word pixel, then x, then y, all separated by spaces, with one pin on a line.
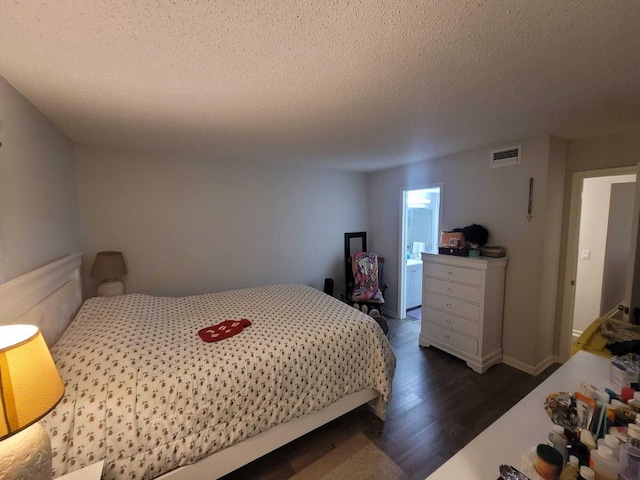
pixel 439 404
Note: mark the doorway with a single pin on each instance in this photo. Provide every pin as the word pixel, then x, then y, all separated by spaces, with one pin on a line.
pixel 420 232
pixel 598 248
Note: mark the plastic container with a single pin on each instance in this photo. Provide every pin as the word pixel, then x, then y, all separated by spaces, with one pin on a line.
pixel 586 437
pixel 558 441
pixel 613 443
pixel 629 462
pixel 633 431
pixel 603 464
pixel 634 404
pixel 586 473
pixel 549 462
pixel 627 394
pixel 571 470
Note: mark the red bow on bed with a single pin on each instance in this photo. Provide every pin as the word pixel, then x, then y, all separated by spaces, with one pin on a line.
pixel 223 330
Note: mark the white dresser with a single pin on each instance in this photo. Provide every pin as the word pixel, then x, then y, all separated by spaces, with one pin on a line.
pixel 462 304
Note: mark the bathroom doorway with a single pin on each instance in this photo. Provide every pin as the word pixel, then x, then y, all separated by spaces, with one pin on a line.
pixel 420 232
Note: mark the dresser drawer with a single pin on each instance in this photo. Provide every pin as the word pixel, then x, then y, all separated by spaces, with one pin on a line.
pixel 458 324
pixel 449 337
pixel 456 274
pixel 452 305
pixel 465 292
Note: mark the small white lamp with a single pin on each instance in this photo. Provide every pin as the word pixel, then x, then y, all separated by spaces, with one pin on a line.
pixel 109 267
pixel 30 387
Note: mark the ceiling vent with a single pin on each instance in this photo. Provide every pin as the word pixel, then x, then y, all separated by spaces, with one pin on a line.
pixel 506 157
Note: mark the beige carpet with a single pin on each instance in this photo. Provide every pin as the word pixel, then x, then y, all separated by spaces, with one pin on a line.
pixel 356 459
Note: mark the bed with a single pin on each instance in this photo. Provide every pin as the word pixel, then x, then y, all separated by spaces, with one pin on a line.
pixel 147 395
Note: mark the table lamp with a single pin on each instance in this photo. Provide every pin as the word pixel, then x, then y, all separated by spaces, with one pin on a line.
pixel 30 387
pixel 109 267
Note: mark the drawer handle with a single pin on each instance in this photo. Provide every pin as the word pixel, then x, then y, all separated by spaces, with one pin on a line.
pixel 450 273
pixel 447 337
pixel 448 289
pixel 448 320
pixel 448 305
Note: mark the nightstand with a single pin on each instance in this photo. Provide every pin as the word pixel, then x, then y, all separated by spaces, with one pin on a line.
pixel 92 472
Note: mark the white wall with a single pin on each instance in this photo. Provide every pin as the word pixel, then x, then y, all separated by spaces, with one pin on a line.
pixel 497 199
pixel 551 254
pixel 196 225
pixel 39 217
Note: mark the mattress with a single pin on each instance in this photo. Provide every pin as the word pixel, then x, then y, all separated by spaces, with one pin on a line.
pixel 146 394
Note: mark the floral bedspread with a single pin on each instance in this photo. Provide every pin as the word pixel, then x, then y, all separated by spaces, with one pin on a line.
pixel 146 394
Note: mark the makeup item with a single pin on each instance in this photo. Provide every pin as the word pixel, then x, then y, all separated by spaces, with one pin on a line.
pixel 603 464
pixel 627 394
pixel 585 407
pixel 611 442
pixel 549 462
pixel 586 474
pixel 613 395
pixel 633 431
pixel 624 415
pixel 557 440
pixel 629 462
pixel 507 472
pixel 576 448
pixel 586 437
pixel 634 403
pixel 571 470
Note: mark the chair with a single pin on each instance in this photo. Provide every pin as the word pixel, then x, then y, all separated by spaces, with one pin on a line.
pixel 365 285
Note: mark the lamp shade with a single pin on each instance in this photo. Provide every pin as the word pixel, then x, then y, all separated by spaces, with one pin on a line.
pixel 108 266
pixel 30 385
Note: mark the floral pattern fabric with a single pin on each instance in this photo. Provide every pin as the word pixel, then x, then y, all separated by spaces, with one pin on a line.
pixel 365 274
pixel 147 395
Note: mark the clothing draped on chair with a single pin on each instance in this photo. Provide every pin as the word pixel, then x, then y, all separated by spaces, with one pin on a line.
pixel 365 274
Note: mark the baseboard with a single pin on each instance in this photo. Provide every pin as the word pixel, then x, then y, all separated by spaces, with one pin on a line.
pixel 615 313
pixel 389 313
pixel 543 365
pixel 531 370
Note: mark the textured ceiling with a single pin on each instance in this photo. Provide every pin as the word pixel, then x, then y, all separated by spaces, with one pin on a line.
pixel 359 85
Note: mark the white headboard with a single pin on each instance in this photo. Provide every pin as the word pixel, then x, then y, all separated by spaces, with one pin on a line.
pixel 47 297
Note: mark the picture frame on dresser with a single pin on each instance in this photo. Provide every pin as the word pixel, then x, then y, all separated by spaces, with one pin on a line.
pixel 462 307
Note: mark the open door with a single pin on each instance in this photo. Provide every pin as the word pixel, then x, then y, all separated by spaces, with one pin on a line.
pixel 632 298
pixel 574 256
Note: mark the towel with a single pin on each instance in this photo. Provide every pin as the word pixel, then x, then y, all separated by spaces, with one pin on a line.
pixel 223 330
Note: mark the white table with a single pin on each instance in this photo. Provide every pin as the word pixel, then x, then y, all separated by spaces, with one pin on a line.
pixel 524 426
pixel 92 472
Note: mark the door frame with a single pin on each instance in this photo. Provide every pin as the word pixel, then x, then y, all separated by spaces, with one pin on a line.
pixel 571 260
pixel 402 304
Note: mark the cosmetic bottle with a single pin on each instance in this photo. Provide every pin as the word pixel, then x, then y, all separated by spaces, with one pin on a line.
pixel 571 470
pixel 558 441
pixel 633 431
pixel 586 473
pixel 629 462
pixel 634 403
pixel 576 448
pixel 603 464
pixel 611 442
pixel 549 462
